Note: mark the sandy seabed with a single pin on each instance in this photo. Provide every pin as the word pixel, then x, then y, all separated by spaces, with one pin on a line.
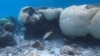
pixel 51 47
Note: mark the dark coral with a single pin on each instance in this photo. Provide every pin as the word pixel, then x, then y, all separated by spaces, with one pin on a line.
pixel 37 27
pixel 7 29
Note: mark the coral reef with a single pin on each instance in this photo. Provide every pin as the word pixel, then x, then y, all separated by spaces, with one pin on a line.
pixel 38 21
pixel 94 27
pixel 46 31
pixel 38 45
pixel 51 13
pixel 77 21
pixel 7 28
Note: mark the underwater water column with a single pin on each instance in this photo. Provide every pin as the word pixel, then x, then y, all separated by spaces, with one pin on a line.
pixel 12 7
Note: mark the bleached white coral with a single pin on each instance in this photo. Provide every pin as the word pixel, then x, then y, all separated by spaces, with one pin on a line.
pixel 51 13
pixel 74 20
pixel 23 15
pixel 94 27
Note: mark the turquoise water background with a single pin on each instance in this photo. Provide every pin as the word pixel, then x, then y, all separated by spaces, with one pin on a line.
pixel 12 7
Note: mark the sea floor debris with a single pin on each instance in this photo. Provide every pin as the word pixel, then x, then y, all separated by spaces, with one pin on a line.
pixel 41 35
pixel 53 47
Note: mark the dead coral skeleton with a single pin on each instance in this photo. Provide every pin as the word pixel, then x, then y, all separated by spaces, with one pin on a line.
pixel 33 54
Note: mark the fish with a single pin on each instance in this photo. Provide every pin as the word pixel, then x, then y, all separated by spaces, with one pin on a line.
pixel 47 34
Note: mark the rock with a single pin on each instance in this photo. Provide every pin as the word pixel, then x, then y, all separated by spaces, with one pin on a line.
pixel 33 54
pixel 7 29
pixel 67 50
pixel 8 24
pixel 34 19
pixel 1 28
pixel 52 52
pixel 68 41
pixel 38 45
pixel 6 39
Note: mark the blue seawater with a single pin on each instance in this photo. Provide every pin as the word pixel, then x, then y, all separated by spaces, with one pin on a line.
pixel 12 7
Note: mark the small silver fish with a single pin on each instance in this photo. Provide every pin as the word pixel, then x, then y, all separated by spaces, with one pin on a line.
pixel 47 34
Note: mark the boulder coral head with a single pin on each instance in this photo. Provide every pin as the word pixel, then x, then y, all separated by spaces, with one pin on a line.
pixel 76 21
pixel 51 13
pixel 25 12
pixel 28 10
pixel 36 20
pixel 33 22
pixel 94 27
pixel 89 6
